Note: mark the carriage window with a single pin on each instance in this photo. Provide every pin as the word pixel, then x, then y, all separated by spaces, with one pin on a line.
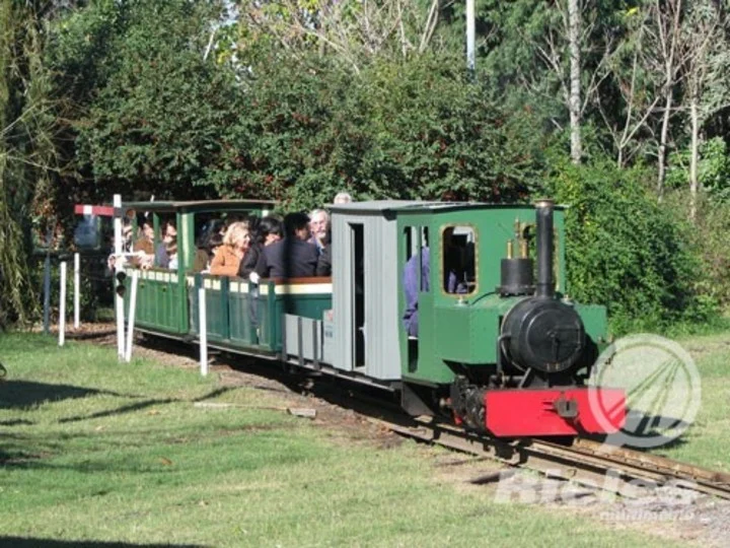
pixel 458 267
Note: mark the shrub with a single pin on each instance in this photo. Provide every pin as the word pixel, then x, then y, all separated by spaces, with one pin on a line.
pixel 419 129
pixel 626 251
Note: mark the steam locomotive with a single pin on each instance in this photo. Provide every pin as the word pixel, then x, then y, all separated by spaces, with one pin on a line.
pixel 500 348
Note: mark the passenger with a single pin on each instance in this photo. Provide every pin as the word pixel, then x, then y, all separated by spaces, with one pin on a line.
pixel 324 262
pixel 200 259
pixel 292 257
pixel 171 249
pixel 411 287
pixel 319 225
pixel 146 242
pixel 126 244
pixel 342 198
pixel 144 247
pixel 228 257
pixel 162 259
pixel 268 231
pixel 214 242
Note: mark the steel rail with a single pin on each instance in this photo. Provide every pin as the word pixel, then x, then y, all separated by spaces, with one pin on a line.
pixel 592 464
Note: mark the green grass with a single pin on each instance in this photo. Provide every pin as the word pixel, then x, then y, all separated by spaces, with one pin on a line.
pixel 707 442
pixel 95 450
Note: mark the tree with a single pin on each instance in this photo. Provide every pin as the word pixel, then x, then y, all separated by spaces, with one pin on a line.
pixel 552 55
pixel 147 102
pixel 27 152
pixel 350 31
pixel 664 55
pixel 705 35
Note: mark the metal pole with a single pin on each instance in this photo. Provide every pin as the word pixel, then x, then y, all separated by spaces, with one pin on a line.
pixel 470 35
pixel 118 299
pixel 62 307
pixel 203 332
pixel 47 293
pixel 47 282
pixel 132 310
pixel 77 290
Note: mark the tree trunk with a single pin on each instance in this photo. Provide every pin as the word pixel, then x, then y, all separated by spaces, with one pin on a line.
pixel 663 145
pixel 694 158
pixel 574 23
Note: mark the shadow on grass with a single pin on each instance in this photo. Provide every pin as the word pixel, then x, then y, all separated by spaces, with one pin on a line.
pixel 142 405
pixel 25 394
pixel 22 542
pixel 119 410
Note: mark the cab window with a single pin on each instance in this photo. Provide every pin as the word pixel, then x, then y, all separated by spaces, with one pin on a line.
pixel 458 268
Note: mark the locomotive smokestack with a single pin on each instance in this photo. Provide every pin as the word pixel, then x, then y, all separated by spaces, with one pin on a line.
pixel 544 215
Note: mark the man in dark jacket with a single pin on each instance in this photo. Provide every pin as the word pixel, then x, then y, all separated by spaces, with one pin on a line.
pixel 292 257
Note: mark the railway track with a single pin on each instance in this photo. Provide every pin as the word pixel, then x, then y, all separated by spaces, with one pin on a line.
pixel 589 463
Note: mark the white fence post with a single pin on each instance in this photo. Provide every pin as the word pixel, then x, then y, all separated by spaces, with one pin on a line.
pixel 77 290
pixel 118 299
pixel 132 310
pixel 203 331
pixel 62 307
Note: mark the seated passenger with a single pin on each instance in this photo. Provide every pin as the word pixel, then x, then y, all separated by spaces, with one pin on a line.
pixel 266 232
pixel 292 257
pixel 144 246
pixel 324 262
pixel 319 226
pixel 228 257
pixel 169 233
pixel 411 287
pixel 342 198
pixel 171 249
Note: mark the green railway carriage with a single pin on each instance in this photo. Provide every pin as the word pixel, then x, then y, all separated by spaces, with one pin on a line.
pixel 163 300
pixel 494 349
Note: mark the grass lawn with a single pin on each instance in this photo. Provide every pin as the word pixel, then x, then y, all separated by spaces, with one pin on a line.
pixel 96 451
pixel 707 442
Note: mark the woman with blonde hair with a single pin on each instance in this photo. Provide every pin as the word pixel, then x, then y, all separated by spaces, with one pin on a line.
pixel 228 257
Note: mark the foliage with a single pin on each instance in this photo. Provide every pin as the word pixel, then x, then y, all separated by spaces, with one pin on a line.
pixel 349 33
pixel 152 104
pixel 420 129
pixel 27 154
pixel 713 169
pixel 708 238
pixel 298 100
pixel 625 251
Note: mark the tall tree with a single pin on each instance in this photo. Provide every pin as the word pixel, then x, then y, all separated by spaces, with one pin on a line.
pixel 666 54
pixel 574 103
pixel 26 151
pixel 705 34
pixel 553 55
